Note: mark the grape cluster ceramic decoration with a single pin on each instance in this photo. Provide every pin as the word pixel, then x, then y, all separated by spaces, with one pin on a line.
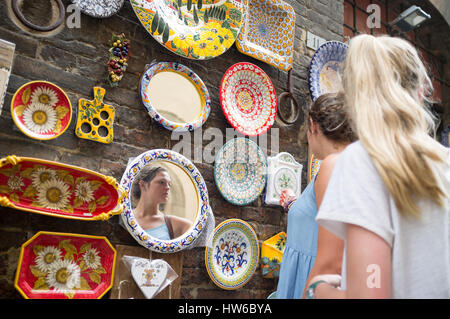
pixel 118 59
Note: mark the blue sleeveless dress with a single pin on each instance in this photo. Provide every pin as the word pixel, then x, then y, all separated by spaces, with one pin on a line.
pixel 160 232
pixel 301 245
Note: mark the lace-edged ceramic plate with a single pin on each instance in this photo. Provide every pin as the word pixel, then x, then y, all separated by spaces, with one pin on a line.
pixel 324 68
pixel 99 8
pixel 240 171
pixel 41 110
pixel 234 254
pixel 65 266
pixel 248 99
pixel 268 33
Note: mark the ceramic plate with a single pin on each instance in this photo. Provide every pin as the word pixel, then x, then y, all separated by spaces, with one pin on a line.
pixel 248 99
pixel 240 171
pixel 268 33
pixel 197 85
pixel 324 68
pixel 194 29
pixel 61 266
pixel 233 256
pixel 59 190
pixel 99 8
pixel 41 110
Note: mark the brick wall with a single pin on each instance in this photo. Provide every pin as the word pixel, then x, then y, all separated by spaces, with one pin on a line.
pixel 75 60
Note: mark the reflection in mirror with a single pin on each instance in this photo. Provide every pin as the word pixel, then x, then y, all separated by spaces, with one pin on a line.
pixel 164 200
pixel 175 97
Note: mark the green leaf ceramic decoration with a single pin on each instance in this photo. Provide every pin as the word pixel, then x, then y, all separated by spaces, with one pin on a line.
pixel 95 119
pixel 283 172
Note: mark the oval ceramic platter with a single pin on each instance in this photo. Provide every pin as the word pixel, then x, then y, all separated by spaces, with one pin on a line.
pixel 248 99
pixel 41 110
pixel 59 190
pixel 193 78
pixel 233 256
pixel 195 29
pixel 324 68
pixel 240 171
pixel 99 8
pixel 65 266
pixel 268 32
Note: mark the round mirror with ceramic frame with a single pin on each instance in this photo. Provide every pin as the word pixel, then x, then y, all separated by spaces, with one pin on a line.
pixel 172 162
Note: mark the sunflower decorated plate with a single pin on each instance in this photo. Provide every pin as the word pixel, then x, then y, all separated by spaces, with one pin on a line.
pixel 60 190
pixel 41 110
pixel 268 33
pixel 233 256
pixel 65 266
pixel 240 171
pixel 195 29
pixel 248 99
pixel 325 67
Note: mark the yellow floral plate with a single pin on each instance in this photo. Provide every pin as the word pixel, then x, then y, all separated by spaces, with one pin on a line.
pixel 61 266
pixel 41 110
pixel 60 190
pixel 195 29
pixel 267 33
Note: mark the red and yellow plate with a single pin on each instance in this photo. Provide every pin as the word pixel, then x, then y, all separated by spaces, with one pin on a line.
pixel 41 110
pixel 65 266
pixel 60 190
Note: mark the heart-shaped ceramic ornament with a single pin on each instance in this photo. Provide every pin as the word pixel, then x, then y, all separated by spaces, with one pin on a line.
pixel 149 275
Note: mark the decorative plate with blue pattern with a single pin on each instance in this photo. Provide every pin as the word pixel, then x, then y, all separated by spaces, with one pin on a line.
pixel 240 171
pixel 234 254
pixel 324 68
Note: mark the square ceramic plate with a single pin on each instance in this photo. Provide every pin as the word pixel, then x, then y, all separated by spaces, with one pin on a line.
pixel 268 32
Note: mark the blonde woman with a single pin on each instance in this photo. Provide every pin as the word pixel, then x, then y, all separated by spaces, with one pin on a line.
pixel 388 196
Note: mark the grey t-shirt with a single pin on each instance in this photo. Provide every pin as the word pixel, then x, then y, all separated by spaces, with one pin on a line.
pixel 357 195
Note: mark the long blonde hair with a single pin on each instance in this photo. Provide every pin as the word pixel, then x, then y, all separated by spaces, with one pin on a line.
pixel 386 87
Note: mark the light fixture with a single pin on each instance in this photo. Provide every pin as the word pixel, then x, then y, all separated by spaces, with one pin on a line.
pixel 410 19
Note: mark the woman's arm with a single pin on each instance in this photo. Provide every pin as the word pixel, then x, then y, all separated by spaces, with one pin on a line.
pixel 329 247
pixel 180 225
pixel 368 267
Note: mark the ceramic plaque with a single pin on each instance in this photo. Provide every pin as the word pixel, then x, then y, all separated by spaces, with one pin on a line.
pixel 195 184
pixel 99 8
pixel 325 67
pixel 268 33
pixel 6 59
pixel 41 110
pixel 194 29
pixel 272 254
pixel 59 190
pixel 248 99
pixel 95 119
pixel 185 111
pixel 233 256
pixel 283 172
pixel 65 266
pixel 240 170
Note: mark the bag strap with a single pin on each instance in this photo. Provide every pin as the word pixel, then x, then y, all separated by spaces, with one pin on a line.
pixel 169 225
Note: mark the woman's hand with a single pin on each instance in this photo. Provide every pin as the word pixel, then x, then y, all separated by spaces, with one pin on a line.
pixel 287 196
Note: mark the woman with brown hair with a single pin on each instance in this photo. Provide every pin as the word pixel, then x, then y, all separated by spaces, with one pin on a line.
pixel 307 244
pixel 151 188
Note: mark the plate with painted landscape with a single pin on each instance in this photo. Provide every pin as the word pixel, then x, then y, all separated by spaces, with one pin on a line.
pixel 233 256
pixel 194 29
pixel 65 266
pixel 41 110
